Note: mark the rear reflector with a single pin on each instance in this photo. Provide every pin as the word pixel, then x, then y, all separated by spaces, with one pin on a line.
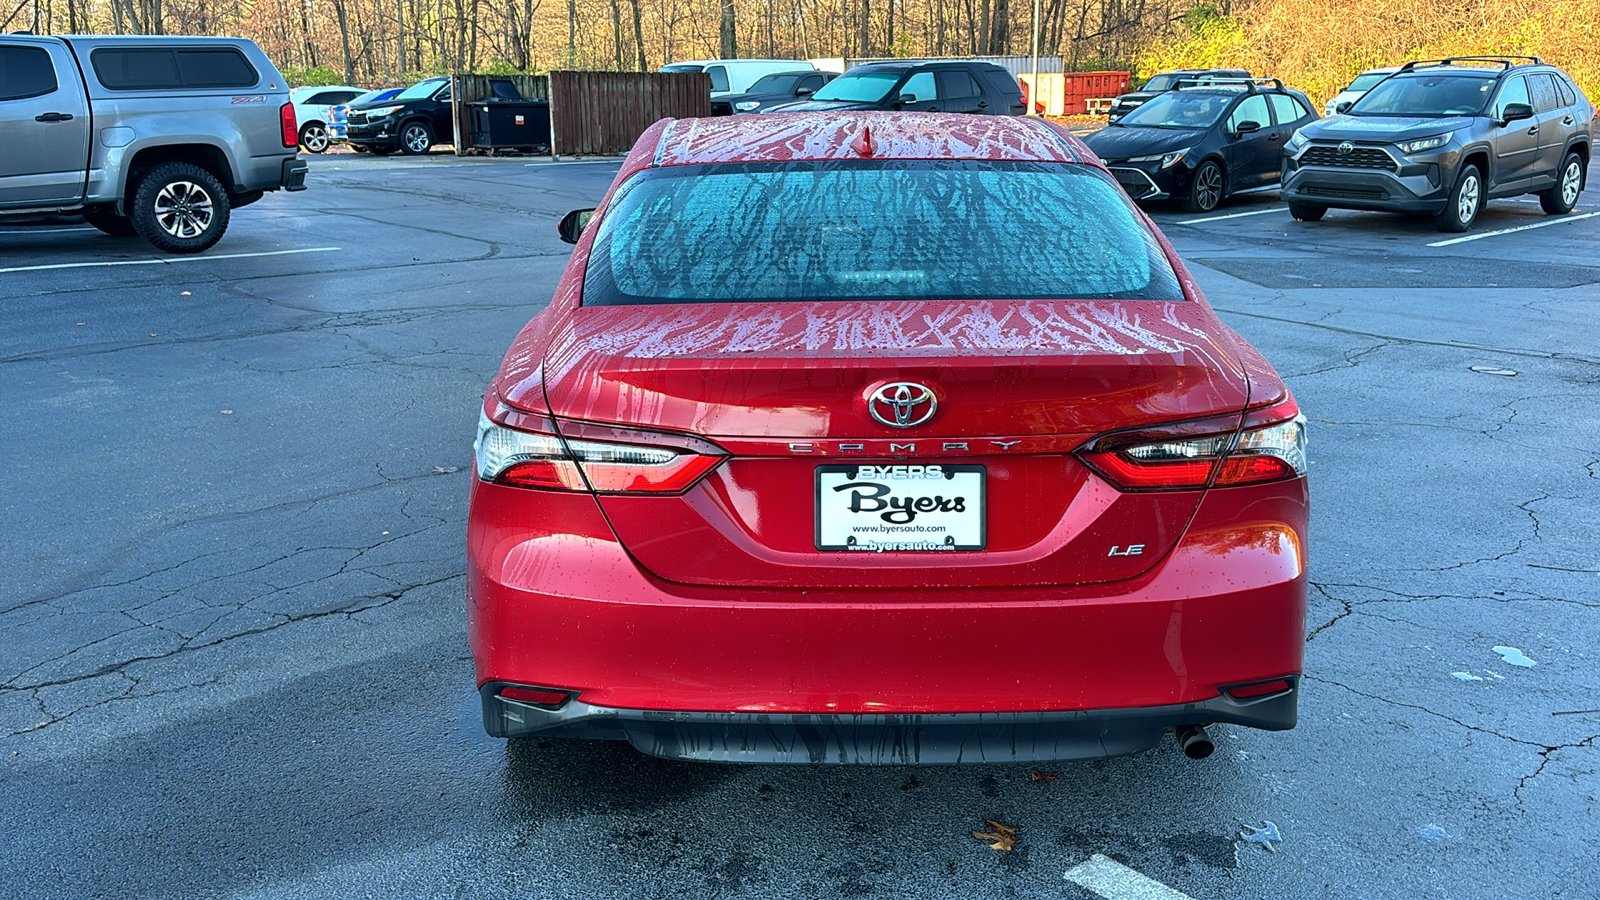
pixel 1269 445
pixel 537 696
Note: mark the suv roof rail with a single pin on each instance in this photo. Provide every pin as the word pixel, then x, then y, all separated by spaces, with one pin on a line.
pixel 1249 84
pixel 1506 62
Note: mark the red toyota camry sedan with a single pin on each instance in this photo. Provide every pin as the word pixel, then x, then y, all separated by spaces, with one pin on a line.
pixel 882 438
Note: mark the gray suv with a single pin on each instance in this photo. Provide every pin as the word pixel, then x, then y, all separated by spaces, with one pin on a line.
pixel 157 136
pixel 1443 137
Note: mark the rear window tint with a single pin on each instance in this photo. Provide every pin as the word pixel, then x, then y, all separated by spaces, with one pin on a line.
pixel 873 230
pixel 158 68
pixel 25 72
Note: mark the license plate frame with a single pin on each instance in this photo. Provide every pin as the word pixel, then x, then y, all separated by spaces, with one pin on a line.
pixel 964 529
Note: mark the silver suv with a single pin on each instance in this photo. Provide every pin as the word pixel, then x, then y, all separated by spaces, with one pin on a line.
pixel 157 136
pixel 1443 137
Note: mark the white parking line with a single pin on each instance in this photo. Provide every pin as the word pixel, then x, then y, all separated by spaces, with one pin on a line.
pixel 161 261
pixel 1475 237
pixel 1115 881
pixel 1253 212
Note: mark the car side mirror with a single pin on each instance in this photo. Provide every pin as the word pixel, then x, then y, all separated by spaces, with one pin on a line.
pixel 1247 127
pixel 804 92
pixel 907 98
pixel 1515 111
pixel 572 224
pixel 1342 107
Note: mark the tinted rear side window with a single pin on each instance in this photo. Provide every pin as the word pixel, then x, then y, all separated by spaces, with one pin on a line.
pixel 873 230
pixel 25 72
pixel 146 69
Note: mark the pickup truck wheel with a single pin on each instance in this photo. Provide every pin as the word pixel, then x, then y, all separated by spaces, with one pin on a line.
pixel 314 137
pixel 415 138
pixel 1559 200
pixel 112 224
pixel 180 208
pixel 1466 198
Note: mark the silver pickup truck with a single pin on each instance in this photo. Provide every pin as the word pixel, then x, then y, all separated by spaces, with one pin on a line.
pixel 156 136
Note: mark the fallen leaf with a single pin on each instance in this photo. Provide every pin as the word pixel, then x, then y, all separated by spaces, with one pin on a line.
pixel 443 470
pixel 1002 837
pixel 1039 776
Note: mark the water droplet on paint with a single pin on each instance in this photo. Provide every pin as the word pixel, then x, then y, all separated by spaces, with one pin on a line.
pixel 1432 833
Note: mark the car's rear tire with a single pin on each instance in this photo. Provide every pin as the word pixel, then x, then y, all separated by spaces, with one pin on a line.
pixel 1560 199
pixel 415 138
pixel 112 224
pixel 1306 213
pixel 314 137
pixel 1205 189
pixel 180 208
pixel 1466 200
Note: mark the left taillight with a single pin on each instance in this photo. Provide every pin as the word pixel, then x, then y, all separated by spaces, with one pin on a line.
pixel 291 128
pixel 536 455
pixel 1269 444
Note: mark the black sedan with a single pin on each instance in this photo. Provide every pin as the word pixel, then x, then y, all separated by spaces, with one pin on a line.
pixel 1201 143
pixel 770 90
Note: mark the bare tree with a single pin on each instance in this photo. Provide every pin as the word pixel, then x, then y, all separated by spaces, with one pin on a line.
pixel 729 34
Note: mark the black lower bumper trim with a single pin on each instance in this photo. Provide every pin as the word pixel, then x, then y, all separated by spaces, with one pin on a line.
pixel 294 174
pixel 887 739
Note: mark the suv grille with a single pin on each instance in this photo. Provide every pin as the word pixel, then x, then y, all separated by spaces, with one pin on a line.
pixel 356 118
pixel 1359 158
pixel 1346 193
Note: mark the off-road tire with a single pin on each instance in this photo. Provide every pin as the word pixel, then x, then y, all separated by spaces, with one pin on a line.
pixel 112 224
pixel 411 142
pixel 1561 198
pixel 1207 187
pixel 314 137
pixel 1306 213
pixel 1466 201
pixel 180 208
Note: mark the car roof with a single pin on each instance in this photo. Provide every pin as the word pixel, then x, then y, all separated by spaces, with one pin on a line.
pixel 784 137
pixel 1471 71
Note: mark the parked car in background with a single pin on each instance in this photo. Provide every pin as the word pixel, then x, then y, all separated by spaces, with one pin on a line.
pixel 1353 92
pixel 311 111
pixel 1202 141
pixel 156 136
pixel 913 86
pixel 410 121
pixel 1443 137
pixel 779 87
pixel 1161 82
pixel 339 114
pixel 741 492
pixel 736 76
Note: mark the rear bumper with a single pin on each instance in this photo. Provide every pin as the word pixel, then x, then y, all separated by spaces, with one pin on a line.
pixel 555 601
pixel 883 739
pixel 294 174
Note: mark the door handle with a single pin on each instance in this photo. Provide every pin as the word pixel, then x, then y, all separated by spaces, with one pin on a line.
pixel 1567 121
pixel 53 117
pixel 1533 130
pixel 984 104
pixel 1273 136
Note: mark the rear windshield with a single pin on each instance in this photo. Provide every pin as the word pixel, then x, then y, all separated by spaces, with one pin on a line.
pixel 422 90
pixel 1365 81
pixel 1159 83
pixel 775 84
pixel 1426 95
pixel 152 68
pixel 1180 109
pixel 873 230
pixel 859 87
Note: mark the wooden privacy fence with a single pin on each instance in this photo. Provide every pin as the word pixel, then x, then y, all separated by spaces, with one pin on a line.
pixel 605 112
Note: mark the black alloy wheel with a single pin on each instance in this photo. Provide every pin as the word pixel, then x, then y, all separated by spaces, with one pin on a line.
pixel 1560 199
pixel 1205 191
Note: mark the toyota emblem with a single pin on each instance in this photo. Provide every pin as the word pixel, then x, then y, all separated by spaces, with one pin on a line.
pixel 1346 148
pixel 903 404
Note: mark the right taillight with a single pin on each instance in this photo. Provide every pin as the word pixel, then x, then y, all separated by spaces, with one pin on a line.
pixel 1269 444
pixel 291 128
pixel 537 455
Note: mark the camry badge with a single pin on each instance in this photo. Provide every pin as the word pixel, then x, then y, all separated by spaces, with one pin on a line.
pixel 903 404
pixel 1346 148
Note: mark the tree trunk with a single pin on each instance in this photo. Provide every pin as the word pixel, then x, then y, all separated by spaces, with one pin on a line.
pixel 399 39
pixel 344 40
pixel 572 34
pixel 616 32
pixel 864 41
pixel 638 35
pixel 729 35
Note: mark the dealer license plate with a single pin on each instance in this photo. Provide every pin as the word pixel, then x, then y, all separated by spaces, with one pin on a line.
pixel 900 507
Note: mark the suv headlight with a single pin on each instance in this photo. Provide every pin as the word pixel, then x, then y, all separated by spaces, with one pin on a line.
pixel 747 105
pixel 382 111
pixel 1168 160
pixel 1297 140
pixel 1427 143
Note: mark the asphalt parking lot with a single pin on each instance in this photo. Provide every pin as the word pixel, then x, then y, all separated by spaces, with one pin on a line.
pixel 232 649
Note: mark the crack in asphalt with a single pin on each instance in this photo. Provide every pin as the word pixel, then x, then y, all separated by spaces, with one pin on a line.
pixel 1352 359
